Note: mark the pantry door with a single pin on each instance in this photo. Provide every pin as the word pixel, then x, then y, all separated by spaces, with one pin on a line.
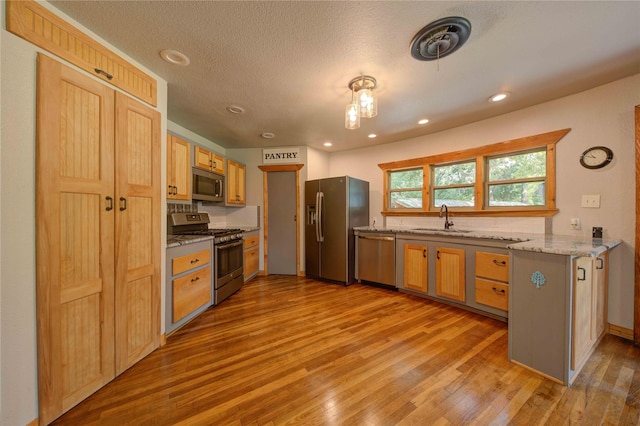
pixel 138 241
pixel 74 237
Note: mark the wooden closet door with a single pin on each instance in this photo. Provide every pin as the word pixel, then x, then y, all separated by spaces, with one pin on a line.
pixel 137 231
pixel 74 237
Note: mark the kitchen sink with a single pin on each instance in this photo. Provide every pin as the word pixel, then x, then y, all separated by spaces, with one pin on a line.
pixel 442 230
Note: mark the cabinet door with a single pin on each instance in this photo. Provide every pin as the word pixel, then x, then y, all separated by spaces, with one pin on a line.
pixel 235 183
pixel 600 295
pixel 581 327
pixel 415 267
pixel 202 158
pixel 217 163
pixel 74 237
pixel 450 270
pixel 251 262
pixel 137 231
pixel 178 168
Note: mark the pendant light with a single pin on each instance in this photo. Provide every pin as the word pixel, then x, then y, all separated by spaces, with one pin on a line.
pixel 352 113
pixel 365 103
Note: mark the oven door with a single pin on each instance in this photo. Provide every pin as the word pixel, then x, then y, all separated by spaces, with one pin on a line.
pixel 229 261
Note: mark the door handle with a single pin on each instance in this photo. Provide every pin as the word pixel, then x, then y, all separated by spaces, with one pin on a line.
pixel 109 203
pixel 584 274
pixel 123 204
pixel 424 253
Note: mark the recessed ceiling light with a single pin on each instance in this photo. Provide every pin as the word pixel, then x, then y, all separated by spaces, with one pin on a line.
pixel 499 97
pixel 175 57
pixel 328 144
pixel 423 121
pixel 372 135
pixel 235 109
pixel 267 135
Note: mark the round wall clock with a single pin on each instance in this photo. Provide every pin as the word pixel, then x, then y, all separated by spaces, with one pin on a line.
pixel 596 157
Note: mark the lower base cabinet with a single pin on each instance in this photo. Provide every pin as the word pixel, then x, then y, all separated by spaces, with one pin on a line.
pixel 189 283
pixel 469 273
pixel 558 311
pixel 251 254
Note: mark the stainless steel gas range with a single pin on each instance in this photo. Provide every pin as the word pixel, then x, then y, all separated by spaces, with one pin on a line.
pixel 228 273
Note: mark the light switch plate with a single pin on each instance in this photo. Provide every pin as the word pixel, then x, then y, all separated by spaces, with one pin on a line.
pixel 591 201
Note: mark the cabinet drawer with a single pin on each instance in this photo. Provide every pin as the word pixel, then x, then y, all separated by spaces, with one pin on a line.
pixel 251 261
pixel 190 292
pixel 190 261
pixel 493 266
pixel 251 241
pixel 492 293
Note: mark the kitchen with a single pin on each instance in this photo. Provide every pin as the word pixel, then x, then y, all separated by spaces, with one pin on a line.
pixel 601 115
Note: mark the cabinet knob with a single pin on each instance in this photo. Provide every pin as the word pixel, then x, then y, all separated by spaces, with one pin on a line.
pixel 109 203
pixel 501 292
pixel 584 273
pixel 196 260
pixel 195 279
pixel 500 262
pixel 123 204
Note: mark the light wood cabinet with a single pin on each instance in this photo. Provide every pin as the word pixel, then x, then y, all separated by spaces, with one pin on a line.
pixel 97 235
pixel 589 301
pixel 235 181
pixel 178 169
pixel 415 267
pixel 38 25
pixel 190 292
pixel 251 255
pixel 450 273
pixel 492 280
pixel 207 160
pixel 189 278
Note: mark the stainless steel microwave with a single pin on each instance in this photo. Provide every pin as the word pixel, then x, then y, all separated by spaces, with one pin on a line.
pixel 207 186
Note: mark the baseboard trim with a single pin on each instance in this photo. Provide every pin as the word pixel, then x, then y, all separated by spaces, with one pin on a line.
pixel 33 422
pixel 619 331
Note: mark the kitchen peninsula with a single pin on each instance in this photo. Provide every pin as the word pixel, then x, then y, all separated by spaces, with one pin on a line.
pixel 551 289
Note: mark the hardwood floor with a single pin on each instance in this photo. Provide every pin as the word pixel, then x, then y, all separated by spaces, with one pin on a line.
pixel 290 350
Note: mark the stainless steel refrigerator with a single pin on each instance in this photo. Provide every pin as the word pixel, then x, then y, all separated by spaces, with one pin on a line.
pixel 333 206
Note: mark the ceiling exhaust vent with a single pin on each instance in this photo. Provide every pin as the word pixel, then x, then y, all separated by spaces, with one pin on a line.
pixel 440 38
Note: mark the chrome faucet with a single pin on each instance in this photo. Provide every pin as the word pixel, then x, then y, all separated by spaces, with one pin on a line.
pixel 447 224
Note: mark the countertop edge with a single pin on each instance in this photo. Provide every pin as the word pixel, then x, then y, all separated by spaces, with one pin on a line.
pixel 539 243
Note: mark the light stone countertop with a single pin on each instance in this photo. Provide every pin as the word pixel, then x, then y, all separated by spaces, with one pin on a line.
pixel 541 243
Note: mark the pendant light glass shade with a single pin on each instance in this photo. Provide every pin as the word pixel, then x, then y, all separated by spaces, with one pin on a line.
pixel 368 104
pixel 363 101
pixel 352 115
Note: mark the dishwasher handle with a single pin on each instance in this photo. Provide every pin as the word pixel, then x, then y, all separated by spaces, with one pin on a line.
pixel 379 238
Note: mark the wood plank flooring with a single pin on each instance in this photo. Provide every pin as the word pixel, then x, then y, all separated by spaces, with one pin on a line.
pixel 291 350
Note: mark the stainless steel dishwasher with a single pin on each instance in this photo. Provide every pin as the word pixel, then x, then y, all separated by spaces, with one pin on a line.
pixel 376 258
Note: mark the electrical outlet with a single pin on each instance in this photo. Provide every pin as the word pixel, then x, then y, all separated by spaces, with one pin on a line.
pixel 574 223
pixel 591 201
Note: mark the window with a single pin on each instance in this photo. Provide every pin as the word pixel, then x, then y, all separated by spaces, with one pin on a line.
pixel 454 184
pixel 517 180
pixel 510 178
pixel 405 189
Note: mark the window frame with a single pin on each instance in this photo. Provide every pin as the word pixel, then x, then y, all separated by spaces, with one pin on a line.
pixel 480 154
pixel 433 188
pixel 389 191
pixel 487 183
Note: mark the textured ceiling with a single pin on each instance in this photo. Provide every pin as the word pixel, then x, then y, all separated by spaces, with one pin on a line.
pixel 288 63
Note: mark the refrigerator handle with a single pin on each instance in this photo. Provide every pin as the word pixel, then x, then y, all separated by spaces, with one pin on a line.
pixel 320 208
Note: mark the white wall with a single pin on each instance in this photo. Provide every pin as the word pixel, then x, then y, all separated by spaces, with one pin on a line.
pixel 600 116
pixel 18 378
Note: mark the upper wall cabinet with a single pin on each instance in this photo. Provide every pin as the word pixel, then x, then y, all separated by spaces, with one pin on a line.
pixel 208 160
pixel 178 169
pixel 235 181
pixel 36 24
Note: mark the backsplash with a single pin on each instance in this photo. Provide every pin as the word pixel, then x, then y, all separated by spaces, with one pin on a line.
pixel 232 216
pixel 529 225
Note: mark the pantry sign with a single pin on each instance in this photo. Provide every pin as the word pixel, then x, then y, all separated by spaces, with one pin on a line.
pixel 281 155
